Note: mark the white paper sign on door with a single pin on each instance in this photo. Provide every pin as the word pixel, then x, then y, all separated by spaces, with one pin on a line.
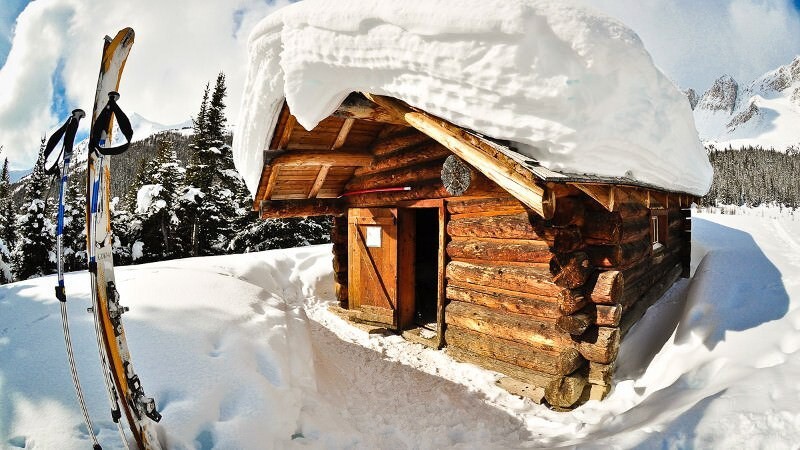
pixel 373 237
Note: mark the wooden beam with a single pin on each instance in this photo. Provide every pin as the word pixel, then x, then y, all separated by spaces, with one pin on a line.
pixel 322 158
pixel 601 193
pixel 356 106
pixel 286 133
pixel 495 166
pixel 280 209
pixel 273 178
pixel 319 181
pixel 343 132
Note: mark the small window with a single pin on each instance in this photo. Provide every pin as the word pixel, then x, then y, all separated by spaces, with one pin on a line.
pixel 654 229
pixel 658 228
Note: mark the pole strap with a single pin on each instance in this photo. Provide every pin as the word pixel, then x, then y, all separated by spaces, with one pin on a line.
pixel 103 123
pixel 67 132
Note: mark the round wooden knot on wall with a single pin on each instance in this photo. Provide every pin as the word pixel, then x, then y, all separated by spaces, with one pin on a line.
pixel 456 175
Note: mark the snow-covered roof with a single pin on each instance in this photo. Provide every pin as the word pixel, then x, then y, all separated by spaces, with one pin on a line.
pixel 571 88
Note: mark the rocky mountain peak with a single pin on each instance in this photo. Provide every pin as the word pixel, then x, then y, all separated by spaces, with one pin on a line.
pixel 721 96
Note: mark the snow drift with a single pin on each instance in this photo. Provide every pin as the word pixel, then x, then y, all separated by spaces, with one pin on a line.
pixel 572 88
pixel 240 351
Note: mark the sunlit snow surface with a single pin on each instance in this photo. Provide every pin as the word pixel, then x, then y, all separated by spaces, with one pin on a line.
pixel 572 88
pixel 241 352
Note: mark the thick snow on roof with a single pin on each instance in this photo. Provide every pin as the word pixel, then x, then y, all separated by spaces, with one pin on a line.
pixel 572 88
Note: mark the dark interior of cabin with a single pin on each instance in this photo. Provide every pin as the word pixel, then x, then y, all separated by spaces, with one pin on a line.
pixel 426 270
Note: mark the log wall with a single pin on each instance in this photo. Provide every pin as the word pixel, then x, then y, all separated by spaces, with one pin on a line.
pixel 548 302
pixel 545 302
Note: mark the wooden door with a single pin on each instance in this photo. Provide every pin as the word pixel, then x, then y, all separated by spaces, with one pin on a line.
pixel 373 262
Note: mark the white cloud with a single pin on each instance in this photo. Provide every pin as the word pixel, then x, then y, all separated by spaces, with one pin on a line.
pixel 180 45
pixel 695 42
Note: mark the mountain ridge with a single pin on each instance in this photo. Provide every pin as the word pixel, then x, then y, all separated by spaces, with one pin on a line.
pixel 765 112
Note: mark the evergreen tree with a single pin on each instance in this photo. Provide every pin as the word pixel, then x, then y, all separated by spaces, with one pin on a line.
pixel 124 236
pixel 33 255
pixel 208 208
pixel 155 212
pixel 281 233
pixel 74 235
pixel 7 210
pixel 6 224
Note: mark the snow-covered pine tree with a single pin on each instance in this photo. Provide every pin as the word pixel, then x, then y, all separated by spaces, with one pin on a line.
pixel 74 239
pixel 8 210
pixel 124 236
pixel 33 254
pixel 7 224
pixel 156 202
pixel 207 207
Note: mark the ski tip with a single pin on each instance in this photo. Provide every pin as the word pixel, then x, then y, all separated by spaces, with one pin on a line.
pixel 78 113
pixel 97 447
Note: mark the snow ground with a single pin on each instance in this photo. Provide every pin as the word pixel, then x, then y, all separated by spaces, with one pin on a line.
pixel 241 352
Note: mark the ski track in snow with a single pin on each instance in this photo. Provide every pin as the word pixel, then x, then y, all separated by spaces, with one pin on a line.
pixel 241 351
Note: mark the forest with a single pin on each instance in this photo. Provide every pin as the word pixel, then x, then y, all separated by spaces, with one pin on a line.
pixel 175 195
pixel 752 176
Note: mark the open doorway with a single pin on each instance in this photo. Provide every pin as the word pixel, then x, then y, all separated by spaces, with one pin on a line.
pixel 421 273
pixel 426 267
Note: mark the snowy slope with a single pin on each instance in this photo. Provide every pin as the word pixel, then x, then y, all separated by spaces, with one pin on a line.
pixel 241 352
pixel 765 112
pixel 570 87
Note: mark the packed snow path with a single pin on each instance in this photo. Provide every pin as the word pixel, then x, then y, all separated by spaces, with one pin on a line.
pixel 241 352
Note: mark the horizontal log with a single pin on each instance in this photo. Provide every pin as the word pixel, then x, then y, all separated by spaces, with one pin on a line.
pixel 602 315
pixel 419 191
pixel 542 306
pixel 597 232
pixel 598 392
pixel 405 176
pixel 632 314
pixel 399 142
pixel 478 295
pixel 522 389
pixel 531 279
pixel 412 156
pixel 279 209
pixel 562 362
pixel 356 106
pixel 321 158
pixel 526 375
pixel 565 392
pixel 514 226
pixel 570 270
pixel 606 288
pixel 576 324
pixel 670 253
pixel 600 374
pixel 618 256
pixel 569 211
pixel 600 344
pixel 561 239
pixel 519 328
pixel 491 249
pixel 652 272
pixel 608 315
pixel 481 205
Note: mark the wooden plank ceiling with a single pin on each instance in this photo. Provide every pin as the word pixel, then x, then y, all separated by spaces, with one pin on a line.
pixel 303 164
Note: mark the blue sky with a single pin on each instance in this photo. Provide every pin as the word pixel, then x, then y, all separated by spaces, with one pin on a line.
pixel 44 76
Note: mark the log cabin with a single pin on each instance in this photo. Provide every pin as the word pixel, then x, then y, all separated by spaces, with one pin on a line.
pixel 459 242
